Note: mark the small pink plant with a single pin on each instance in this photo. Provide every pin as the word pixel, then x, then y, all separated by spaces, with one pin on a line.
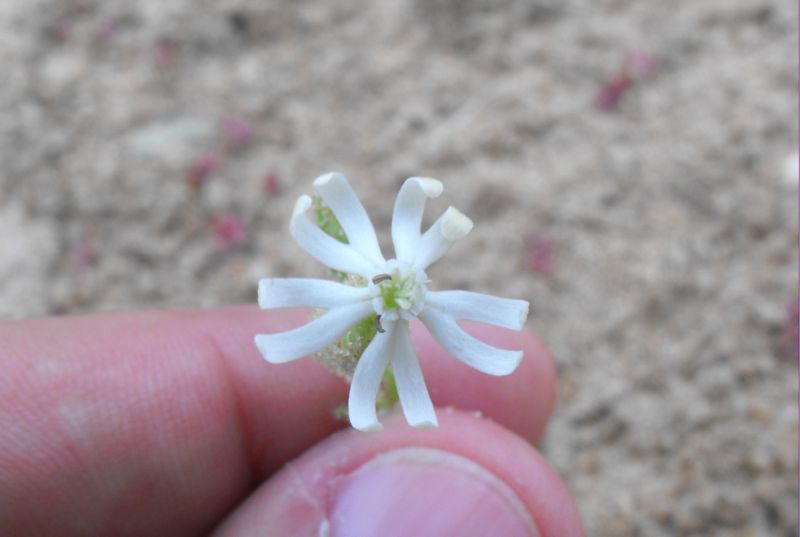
pixel 640 63
pixel 539 253
pixel 612 91
pixel 272 185
pixel 106 30
pixel 229 231
pixel 164 53
pixel 201 168
pixel 85 255
pixel 62 30
pixel 636 66
pixel 235 132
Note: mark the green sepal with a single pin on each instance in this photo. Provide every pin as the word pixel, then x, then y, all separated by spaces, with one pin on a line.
pixel 362 333
pixel 359 336
pixel 388 397
pixel 327 222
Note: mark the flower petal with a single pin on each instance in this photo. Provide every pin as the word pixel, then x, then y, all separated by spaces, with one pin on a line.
pixel 450 227
pixel 414 397
pixel 407 217
pixel 367 380
pixel 308 292
pixel 505 312
pixel 311 337
pixel 324 248
pixel 334 189
pixel 466 348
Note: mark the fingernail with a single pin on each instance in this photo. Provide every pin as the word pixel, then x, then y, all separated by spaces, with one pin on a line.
pixel 426 493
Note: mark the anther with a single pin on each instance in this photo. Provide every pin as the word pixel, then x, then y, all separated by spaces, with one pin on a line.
pixel 381 278
pixel 378 324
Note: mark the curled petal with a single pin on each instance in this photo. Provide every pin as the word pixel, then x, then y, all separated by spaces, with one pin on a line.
pixel 311 337
pixel 308 292
pixel 450 227
pixel 324 248
pixel 466 348
pixel 414 397
pixel 505 312
pixel 367 380
pixel 334 189
pixel 407 217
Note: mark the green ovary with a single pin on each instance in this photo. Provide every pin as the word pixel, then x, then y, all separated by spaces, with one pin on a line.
pixel 398 293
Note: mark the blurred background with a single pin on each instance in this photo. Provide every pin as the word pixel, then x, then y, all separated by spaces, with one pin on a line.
pixel 631 167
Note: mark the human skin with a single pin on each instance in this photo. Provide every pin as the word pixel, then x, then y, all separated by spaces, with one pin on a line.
pixel 171 423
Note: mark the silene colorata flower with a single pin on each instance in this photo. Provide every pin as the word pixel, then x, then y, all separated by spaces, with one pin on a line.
pixel 394 291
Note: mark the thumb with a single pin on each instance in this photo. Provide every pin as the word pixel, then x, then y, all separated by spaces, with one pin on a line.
pixel 469 477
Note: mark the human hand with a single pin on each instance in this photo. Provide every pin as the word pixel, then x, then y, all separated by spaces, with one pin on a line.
pixel 171 423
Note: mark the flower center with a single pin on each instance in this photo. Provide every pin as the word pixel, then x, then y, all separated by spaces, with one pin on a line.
pixel 400 292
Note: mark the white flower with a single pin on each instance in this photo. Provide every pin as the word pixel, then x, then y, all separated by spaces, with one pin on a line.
pixel 397 291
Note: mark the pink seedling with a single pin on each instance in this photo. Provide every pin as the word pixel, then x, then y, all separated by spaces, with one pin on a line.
pixel 612 91
pixel 235 132
pixel 636 66
pixel 201 168
pixel 85 255
pixel 61 31
pixel 164 53
pixel 272 185
pixel 229 231
pixel 640 63
pixel 539 251
pixel 106 30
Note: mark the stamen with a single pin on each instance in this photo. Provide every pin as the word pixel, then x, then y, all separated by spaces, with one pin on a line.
pixel 381 278
pixel 378 324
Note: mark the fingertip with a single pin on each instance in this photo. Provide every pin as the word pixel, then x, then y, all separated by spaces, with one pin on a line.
pixel 468 477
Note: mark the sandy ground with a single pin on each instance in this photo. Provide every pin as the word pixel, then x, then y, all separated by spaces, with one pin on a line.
pixel 655 239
